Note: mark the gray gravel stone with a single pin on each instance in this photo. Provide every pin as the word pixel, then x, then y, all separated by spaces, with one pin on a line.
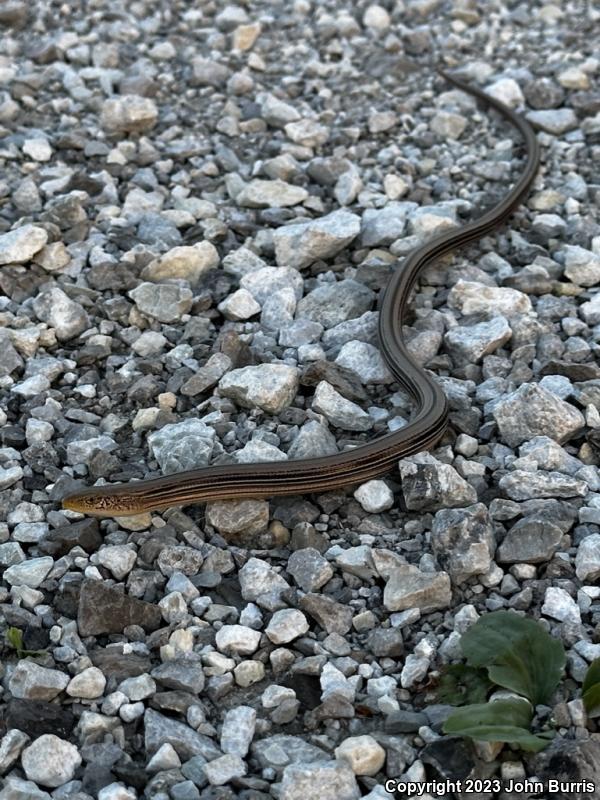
pixel 224 769
pixel 332 616
pixel 555 120
pixel 307 132
pixel 208 375
pixel 270 194
pixel 335 781
pixel 187 263
pixel 159 730
pixel 357 561
pixel 271 387
pixel 581 266
pixel 408 587
pixel 30 573
pixel 34 682
pixel 470 344
pixel 164 302
pixel 522 485
pixel 375 496
pixel 286 625
pixel 262 584
pixel 10 475
pixel 50 760
pixel 138 688
pixel 333 303
pixel 180 674
pixel 66 316
pixel 239 306
pixel 448 125
pixel 207 72
pixel 309 569
pixel 381 227
pixel 529 541
pixel 20 789
pixel 364 754
pixel 11 746
pixel 588 558
pixel 559 605
pixel 340 412
pixel 232 517
pixel 256 451
pixel 313 440
pixel 303 243
pixel 263 283
pixel 472 297
pixel 366 361
pixel 363 329
pixel 20 245
pixel 238 730
pixel 119 559
pixel 88 684
pixel 532 411
pixel 237 639
pixel 464 541
pixel 549 455
pixel 104 609
pixel 428 483
pixel 182 445
pixel 276 112
pixel 179 559
pixel 241 261
pixel 128 114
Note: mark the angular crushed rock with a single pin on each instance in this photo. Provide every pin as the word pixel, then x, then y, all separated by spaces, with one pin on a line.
pixel 229 202
pixel 105 609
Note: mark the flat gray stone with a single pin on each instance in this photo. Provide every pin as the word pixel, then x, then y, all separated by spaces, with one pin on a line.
pixel 332 303
pixel 464 541
pixel 532 411
pixel 428 484
pixel 301 244
pixel 104 609
pixel 30 681
pixel 338 411
pixel 67 317
pixel 182 445
pixel 409 587
pixel 524 485
pixel 20 245
pixel 186 742
pixel 165 302
pixel 271 387
pixel 530 541
pixel 471 343
pixel 50 761
pixel 330 781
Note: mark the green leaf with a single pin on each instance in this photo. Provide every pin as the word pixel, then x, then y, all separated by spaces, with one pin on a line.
pixel 498 721
pixel 14 637
pixel 511 711
pixel 591 698
pixel 460 684
pixel 518 653
pixel 512 672
pixel 592 676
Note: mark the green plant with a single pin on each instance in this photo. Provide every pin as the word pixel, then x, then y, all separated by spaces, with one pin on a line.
pixel 14 638
pixel 504 720
pixel 518 654
pixel 590 690
pixel 460 684
pixel 514 653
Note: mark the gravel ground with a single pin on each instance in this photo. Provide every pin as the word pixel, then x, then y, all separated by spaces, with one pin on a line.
pixel 199 204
